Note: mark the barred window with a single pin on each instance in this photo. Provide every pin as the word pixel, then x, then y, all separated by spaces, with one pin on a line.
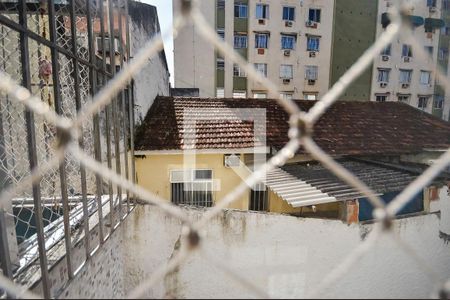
pixel 192 187
pixel 238 71
pixel 261 40
pixel 287 41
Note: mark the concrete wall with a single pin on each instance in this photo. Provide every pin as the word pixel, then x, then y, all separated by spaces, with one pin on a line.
pixel 153 78
pixel 285 256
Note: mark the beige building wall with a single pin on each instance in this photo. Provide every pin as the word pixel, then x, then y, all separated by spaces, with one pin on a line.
pixel 194 58
pixel 299 57
pixel 417 64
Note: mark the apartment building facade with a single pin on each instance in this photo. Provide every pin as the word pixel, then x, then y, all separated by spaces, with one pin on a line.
pixel 288 41
pixel 401 73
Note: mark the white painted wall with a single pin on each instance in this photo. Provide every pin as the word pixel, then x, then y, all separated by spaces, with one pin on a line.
pixel 285 256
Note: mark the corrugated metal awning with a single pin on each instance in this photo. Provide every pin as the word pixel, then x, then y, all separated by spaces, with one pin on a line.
pixel 311 184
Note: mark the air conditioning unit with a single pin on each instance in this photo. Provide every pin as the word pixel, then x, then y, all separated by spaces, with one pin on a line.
pixel 107 41
pixel 311 24
pixel 288 23
pixel 383 84
pixel 287 52
pixel 405 85
pixel 312 54
pixel 385 57
pixel 261 21
pixel 260 50
pixel 406 58
pixel 432 9
pixel 311 81
pixel 286 80
pixel 231 160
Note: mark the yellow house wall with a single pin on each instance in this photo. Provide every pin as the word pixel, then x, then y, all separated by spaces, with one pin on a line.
pixel 153 174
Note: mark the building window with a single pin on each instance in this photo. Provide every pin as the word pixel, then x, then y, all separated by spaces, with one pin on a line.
pixel 286 95
pixel 220 93
pixel 239 94
pixel 240 10
pixel 240 41
pixel 429 50
pixel 423 102
pixel 261 40
pixel 287 41
pixel 220 64
pixel 445 5
pixel 313 43
pixel 220 4
pixel 381 98
pixel 425 77
pixel 221 33
pixel 262 11
pixel 405 76
pixel 383 75
pixel 310 96
pixel 238 72
pixel 314 15
pixel 286 71
pixel 259 198
pixel 438 102
pixel 311 72
pixel 403 98
pixel 192 187
pixel 431 3
pixel 259 95
pixel 387 50
pixel 261 68
pixel 406 50
pixel 442 53
pixel 288 13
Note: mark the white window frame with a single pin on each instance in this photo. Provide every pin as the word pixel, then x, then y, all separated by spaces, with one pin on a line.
pixel 383 75
pixel 221 33
pixel 313 37
pixel 288 36
pixel 240 41
pixel 220 92
pixel 259 40
pixel 264 11
pixel 310 96
pixel 240 94
pixel 379 96
pixel 259 95
pixel 425 77
pixel 219 62
pixel 262 68
pixel 287 96
pixel 286 71
pixel 289 17
pixel 240 7
pixel 238 71
pixel 405 79
pixel 311 72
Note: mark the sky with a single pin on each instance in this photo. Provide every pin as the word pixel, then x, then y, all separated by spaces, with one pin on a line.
pixel 164 8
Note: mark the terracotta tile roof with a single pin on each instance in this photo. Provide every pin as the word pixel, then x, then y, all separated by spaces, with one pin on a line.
pixel 347 128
